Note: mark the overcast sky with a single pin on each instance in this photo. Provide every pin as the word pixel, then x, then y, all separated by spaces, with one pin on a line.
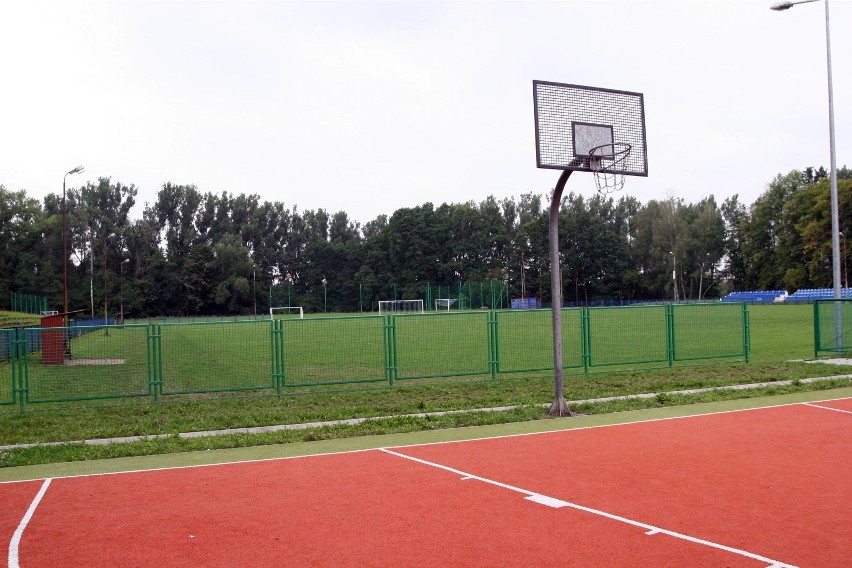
pixel 367 107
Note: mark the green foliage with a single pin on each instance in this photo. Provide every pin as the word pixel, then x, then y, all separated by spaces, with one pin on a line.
pixel 205 253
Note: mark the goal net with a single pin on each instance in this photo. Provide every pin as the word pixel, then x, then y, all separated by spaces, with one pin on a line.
pixel 280 312
pixel 386 306
pixel 444 303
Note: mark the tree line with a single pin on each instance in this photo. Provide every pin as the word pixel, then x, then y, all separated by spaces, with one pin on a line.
pixel 204 253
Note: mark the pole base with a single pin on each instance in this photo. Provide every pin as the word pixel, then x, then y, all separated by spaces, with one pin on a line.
pixel 560 408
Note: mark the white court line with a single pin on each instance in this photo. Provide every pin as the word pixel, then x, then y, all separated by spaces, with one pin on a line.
pixel 558 503
pixel 15 543
pixel 826 407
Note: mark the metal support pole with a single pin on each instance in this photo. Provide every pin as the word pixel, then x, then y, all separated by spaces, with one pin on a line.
pixel 559 407
pixel 64 252
pixel 835 209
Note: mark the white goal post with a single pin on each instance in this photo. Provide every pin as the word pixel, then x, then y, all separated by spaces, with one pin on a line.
pixel 386 306
pixel 287 311
pixel 444 303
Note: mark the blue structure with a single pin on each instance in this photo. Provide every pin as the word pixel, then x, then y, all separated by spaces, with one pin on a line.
pixel 757 297
pixel 811 294
pixel 781 296
pixel 525 303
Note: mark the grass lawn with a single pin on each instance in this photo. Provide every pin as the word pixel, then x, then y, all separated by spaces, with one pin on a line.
pixel 779 334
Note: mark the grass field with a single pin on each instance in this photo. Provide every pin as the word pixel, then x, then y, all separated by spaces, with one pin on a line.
pixel 779 334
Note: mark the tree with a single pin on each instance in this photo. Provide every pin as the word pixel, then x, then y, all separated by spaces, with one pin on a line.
pixel 736 220
pixel 102 212
pixel 766 267
pixel 705 247
pixel 21 228
pixel 230 271
pixel 658 246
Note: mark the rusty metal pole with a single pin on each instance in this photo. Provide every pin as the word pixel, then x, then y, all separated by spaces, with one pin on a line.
pixel 559 407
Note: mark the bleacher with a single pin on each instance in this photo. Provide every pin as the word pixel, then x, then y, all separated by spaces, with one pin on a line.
pixel 781 296
pixel 757 297
pixel 811 294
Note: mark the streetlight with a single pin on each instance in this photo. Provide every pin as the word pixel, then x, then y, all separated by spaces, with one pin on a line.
pixel 324 295
pixel 76 170
pixel 835 210
pixel 844 254
pixel 674 274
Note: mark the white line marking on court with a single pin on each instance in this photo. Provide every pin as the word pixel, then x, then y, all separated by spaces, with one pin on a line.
pixel 15 543
pixel 826 407
pixel 548 501
pixel 551 501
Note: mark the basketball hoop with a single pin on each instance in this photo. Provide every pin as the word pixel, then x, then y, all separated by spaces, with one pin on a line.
pixel 607 163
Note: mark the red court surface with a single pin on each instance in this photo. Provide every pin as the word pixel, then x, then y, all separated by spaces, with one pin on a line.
pixel 763 487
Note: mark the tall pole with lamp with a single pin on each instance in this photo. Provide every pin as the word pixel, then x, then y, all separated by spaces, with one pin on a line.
pixel 835 210
pixel 76 170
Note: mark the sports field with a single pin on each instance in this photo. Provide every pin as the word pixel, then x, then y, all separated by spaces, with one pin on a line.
pixel 759 484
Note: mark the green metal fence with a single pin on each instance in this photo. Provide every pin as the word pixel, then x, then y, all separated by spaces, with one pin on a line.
pixel 28 303
pixel 361 297
pixel 832 327
pixel 166 359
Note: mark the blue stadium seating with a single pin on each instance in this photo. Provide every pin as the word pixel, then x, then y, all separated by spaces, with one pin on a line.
pixel 811 294
pixel 756 297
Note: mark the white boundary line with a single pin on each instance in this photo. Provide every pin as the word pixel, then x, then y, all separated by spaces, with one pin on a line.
pixel 15 543
pixel 811 404
pixel 497 437
pixel 558 503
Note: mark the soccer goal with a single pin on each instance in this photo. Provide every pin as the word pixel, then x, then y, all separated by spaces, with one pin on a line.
pixel 280 312
pixel 386 306
pixel 444 304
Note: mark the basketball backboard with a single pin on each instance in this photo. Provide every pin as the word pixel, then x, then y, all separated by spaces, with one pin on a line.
pixel 572 120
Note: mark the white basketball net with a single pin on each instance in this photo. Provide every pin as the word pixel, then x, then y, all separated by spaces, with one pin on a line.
pixel 606 161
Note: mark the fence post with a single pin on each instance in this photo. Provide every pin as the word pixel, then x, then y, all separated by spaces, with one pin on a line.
pixel 586 337
pixel 277 356
pixel 670 333
pixel 389 340
pixel 493 344
pixel 746 332
pixel 154 357
pixel 20 371
pixel 817 338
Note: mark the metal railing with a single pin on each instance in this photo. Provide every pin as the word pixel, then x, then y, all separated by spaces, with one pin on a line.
pixel 165 359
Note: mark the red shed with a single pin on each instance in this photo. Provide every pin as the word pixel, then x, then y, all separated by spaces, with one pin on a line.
pixel 55 343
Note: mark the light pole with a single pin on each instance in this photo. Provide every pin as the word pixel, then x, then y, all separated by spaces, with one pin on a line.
pixel 76 170
pixel 324 295
pixel 835 210
pixel 674 275
pixel 845 252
